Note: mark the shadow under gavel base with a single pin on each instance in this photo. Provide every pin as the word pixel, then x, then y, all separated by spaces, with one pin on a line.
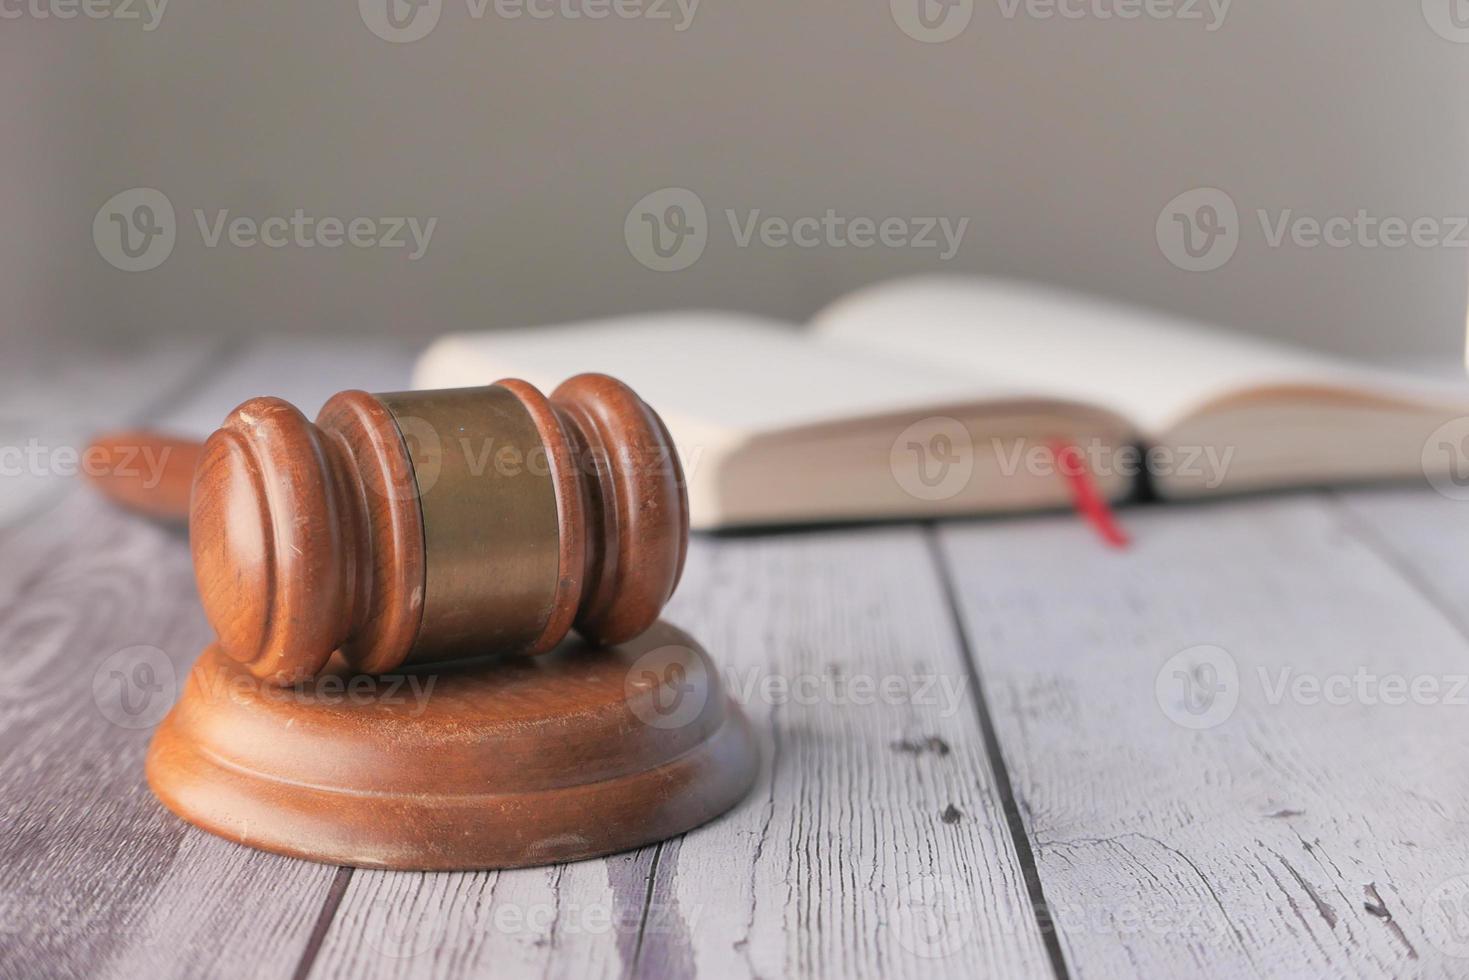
pixel 497 763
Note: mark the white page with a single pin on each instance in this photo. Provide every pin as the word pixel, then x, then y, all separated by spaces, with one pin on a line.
pixel 1151 368
pixel 736 374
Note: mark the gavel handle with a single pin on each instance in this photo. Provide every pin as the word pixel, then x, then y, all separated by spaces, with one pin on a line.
pixel 145 472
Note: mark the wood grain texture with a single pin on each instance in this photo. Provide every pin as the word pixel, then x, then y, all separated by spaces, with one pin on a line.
pixel 46 422
pixel 387 531
pixel 1289 839
pixel 501 763
pixel 873 810
pixel 98 875
pixel 100 880
pixel 1423 534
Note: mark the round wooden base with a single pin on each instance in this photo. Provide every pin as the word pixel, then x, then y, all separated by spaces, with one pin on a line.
pixel 481 764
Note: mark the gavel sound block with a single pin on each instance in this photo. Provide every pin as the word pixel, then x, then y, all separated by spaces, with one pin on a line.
pixel 393 586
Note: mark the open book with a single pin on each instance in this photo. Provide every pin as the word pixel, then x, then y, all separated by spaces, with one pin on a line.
pixel 942 396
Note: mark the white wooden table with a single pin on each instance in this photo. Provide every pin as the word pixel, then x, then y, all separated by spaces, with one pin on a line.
pixel 991 748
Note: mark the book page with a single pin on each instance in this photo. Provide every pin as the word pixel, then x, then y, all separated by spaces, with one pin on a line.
pixel 731 373
pixel 1152 368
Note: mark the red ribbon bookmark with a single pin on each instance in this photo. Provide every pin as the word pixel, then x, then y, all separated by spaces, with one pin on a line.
pixel 1085 496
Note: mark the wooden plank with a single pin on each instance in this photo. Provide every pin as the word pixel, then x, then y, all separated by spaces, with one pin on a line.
pixel 1192 820
pixel 99 879
pixel 874 844
pixel 1424 534
pixel 303 372
pixel 46 418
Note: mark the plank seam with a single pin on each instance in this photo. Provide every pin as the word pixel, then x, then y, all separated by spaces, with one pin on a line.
pixel 1367 535
pixel 647 905
pixel 324 919
pixel 1019 836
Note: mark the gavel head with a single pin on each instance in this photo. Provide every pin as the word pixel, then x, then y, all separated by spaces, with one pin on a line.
pixel 430 525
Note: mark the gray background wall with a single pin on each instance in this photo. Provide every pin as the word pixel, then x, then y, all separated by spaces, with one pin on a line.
pixel 529 140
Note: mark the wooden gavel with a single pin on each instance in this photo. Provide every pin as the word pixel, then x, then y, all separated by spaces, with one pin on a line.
pixel 426 525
